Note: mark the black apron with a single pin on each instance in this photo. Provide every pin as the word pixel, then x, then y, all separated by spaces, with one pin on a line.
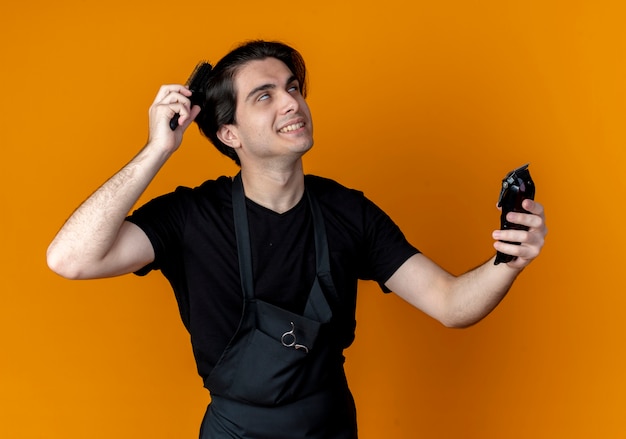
pixel 281 376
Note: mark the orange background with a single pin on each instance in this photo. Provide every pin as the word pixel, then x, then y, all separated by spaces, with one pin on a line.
pixel 422 105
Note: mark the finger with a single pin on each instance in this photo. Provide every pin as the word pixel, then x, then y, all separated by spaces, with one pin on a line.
pixel 507 248
pixel 529 244
pixel 185 120
pixel 175 106
pixel 174 97
pixel 530 220
pixel 170 105
pixel 533 207
pixel 166 90
pixel 178 110
pixel 161 115
pixel 510 235
pixel 523 251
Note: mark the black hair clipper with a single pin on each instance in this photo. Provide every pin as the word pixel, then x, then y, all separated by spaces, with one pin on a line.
pixel 516 187
pixel 197 84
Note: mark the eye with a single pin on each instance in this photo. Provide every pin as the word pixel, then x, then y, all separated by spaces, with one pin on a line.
pixel 294 88
pixel 263 97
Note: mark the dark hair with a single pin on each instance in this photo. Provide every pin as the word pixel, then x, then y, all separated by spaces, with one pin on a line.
pixel 220 102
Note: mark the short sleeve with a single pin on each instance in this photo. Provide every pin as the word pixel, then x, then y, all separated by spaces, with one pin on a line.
pixel 163 220
pixel 387 249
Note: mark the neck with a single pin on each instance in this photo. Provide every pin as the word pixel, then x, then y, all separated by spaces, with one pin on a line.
pixel 276 189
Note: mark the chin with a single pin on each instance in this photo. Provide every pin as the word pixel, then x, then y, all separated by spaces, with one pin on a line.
pixel 307 146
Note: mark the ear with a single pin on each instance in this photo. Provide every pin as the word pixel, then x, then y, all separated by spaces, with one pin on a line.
pixel 228 136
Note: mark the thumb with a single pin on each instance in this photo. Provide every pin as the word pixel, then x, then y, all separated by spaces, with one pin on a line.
pixel 185 121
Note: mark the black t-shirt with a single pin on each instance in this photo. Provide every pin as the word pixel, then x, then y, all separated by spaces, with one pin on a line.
pixel 193 236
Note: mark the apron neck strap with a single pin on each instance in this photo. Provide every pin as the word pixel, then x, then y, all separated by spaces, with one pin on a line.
pixel 242 234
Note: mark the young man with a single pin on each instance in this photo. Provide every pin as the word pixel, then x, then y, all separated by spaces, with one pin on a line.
pixel 265 266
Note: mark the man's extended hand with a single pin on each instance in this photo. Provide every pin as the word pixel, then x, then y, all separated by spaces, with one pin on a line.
pixel 531 241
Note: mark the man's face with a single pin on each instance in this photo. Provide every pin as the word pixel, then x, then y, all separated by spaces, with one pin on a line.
pixel 273 119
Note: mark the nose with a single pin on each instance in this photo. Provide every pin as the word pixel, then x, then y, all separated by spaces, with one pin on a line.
pixel 290 103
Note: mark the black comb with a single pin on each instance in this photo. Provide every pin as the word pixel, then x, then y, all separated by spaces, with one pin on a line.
pixel 197 84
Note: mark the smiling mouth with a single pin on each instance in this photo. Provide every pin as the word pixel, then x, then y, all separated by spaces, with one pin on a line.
pixel 292 127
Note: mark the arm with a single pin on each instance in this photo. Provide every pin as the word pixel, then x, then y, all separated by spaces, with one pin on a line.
pixel 96 241
pixel 461 301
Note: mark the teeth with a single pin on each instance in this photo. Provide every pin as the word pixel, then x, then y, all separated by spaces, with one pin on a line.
pixel 293 127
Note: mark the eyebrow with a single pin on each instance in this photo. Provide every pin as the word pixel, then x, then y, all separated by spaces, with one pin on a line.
pixel 269 86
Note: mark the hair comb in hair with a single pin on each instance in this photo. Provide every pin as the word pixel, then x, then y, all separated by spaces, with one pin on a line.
pixel 197 84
